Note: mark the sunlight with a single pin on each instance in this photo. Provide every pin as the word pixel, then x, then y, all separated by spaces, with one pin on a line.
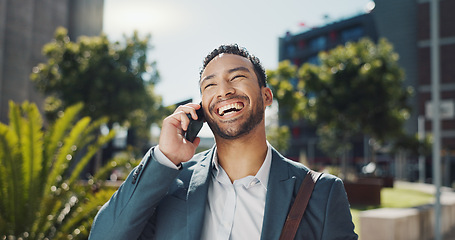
pixel 122 17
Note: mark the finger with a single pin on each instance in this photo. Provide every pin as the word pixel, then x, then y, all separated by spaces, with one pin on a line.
pixel 193 105
pixel 178 120
pixel 182 118
pixel 189 108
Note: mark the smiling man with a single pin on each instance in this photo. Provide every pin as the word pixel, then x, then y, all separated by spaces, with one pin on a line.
pixel 240 189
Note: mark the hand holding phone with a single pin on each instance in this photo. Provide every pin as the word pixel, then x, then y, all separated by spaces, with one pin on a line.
pixel 195 125
pixel 172 142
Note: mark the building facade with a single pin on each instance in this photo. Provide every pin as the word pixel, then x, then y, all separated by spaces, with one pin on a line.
pixel 396 21
pixel 447 69
pixel 25 26
pixel 446 81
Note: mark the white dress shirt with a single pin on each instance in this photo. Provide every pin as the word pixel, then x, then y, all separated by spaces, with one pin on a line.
pixel 233 210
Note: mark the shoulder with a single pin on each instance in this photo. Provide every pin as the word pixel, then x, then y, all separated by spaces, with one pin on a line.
pixel 199 161
pixel 327 185
pixel 300 170
pixel 199 158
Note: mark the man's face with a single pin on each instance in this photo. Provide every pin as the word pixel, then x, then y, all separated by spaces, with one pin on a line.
pixel 233 102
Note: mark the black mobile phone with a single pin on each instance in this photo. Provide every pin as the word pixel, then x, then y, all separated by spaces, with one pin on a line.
pixel 195 125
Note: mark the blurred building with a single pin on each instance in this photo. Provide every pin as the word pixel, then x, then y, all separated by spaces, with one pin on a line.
pixel 25 26
pixel 447 79
pixel 396 21
pixel 406 24
pixel 447 68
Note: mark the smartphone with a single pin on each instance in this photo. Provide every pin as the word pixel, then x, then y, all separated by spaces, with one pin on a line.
pixel 195 125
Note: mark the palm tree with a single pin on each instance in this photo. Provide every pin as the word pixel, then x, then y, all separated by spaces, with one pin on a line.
pixel 41 195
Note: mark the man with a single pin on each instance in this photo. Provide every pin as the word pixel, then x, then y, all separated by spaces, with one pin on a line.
pixel 240 189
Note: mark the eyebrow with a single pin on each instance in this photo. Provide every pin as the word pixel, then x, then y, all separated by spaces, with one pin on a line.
pixel 242 69
pixel 237 69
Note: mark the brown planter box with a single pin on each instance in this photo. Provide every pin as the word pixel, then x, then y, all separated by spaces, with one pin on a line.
pixel 388 181
pixel 365 191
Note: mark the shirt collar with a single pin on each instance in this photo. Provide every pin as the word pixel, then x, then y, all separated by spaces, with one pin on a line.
pixel 262 175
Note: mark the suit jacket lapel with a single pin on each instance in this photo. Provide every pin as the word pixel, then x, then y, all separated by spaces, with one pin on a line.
pixel 279 196
pixel 197 196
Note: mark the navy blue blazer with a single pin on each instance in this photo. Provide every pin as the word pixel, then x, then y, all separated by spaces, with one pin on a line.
pixel 157 202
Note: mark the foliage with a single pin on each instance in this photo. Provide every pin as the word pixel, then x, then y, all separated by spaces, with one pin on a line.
pixel 356 89
pixel 278 136
pixel 115 80
pixel 289 98
pixel 41 197
pixel 413 145
pixel 329 142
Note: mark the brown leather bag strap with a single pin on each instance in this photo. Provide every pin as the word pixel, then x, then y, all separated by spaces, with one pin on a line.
pixel 298 208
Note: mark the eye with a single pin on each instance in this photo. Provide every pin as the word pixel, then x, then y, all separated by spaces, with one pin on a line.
pixel 237 77
pixel 209 85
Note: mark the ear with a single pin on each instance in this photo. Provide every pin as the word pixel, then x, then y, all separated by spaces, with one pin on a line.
pixel 267 96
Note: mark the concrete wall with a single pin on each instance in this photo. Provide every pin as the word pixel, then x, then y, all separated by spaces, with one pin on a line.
pixel 2 41
pixel 85 18
pixel 25 26
pixel 407 223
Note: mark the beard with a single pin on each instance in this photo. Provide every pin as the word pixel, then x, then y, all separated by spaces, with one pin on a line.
pixel 233 129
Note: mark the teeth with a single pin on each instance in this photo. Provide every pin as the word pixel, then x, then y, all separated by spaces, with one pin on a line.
pixel 236 106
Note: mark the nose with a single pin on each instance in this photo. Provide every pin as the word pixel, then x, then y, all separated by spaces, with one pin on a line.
pixel 225 89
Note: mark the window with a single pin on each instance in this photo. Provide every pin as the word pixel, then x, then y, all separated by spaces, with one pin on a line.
pixel 352 34
pixel 290 50
pixel 302 44
pixel 318 44
pixel 314 60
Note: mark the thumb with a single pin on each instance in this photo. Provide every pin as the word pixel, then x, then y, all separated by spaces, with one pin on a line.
pixel 196 142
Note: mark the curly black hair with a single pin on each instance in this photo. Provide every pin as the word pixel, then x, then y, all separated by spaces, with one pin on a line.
pixel 241 51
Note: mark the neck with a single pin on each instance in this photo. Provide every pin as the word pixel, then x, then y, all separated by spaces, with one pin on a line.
pixel 243 156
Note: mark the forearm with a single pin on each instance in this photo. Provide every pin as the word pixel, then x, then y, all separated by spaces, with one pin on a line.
pixel 126 213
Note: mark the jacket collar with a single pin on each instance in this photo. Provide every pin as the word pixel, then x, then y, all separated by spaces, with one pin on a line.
pixel 197 196
pixel 280 192
pixel 279 196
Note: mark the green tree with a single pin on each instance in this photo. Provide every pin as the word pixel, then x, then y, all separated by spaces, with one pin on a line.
pixel 279 137
pixel 290 98
pixel 356 89
pixel 40 195
pixel 111 79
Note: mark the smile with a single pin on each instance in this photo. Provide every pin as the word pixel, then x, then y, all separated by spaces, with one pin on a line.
pixel 230 108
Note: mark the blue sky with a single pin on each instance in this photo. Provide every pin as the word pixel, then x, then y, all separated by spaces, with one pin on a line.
pixel 183 32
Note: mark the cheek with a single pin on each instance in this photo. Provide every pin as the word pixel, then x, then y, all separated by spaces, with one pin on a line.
pixel 205 101
pixel 208 92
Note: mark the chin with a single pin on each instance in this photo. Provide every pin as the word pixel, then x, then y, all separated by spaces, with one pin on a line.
pixel 231 132
pixel 237 127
